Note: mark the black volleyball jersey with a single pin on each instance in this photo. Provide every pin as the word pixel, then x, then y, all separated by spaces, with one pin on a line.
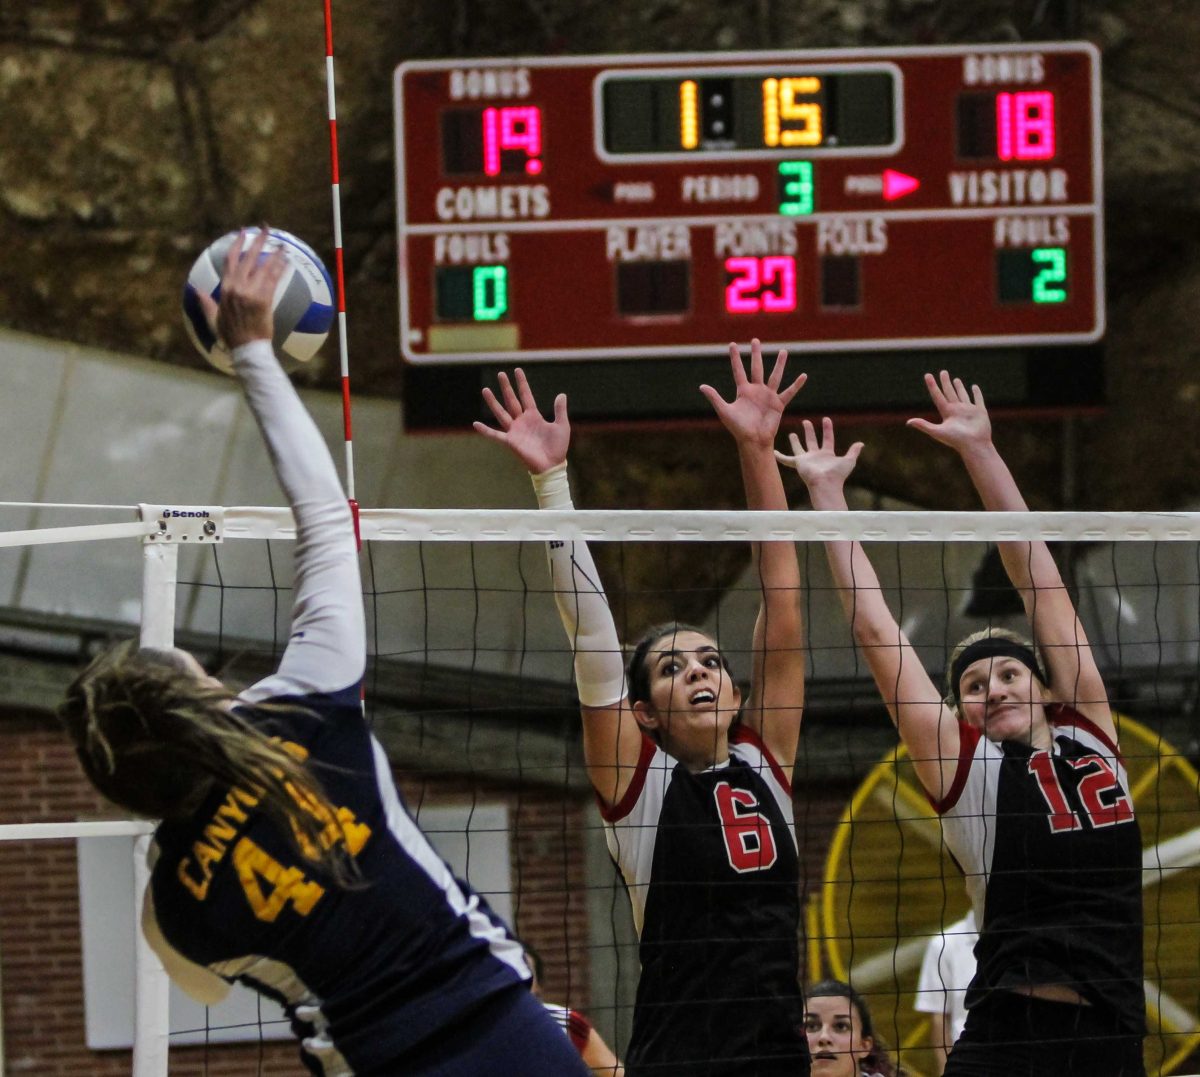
pixel 710 863
pixel 1052 855
pixel 367 972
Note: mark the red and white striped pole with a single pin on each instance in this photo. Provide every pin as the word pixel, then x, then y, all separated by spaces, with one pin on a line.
pixel 339 265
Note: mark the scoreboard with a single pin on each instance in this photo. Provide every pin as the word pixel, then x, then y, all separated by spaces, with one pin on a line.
pixel 662 205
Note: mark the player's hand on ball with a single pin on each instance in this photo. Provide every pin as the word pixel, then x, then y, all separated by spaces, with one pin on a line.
pixel 247 292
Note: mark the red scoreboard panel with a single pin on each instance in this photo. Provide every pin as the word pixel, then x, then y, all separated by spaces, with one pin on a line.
pixel 662 205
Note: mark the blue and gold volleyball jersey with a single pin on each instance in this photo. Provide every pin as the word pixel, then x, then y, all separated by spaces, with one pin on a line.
pixel 367 972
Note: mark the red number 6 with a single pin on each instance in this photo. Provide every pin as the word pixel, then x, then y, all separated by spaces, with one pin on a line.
pixel 749 840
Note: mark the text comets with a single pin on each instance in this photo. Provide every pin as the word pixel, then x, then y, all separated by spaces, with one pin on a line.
pixel 741 238
pixel 649 243
pixel 452 248
pixel 741 188
pixel 493 203
pixel 839 235
pixel 989 187
pixel 1032 231
pixel 1008 67
pixel 474 83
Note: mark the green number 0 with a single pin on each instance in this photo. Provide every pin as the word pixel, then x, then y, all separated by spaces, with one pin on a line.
pixel 489 307
pixel 1053 261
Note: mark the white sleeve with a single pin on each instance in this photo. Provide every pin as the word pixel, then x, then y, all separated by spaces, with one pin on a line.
pixel 582 604
pixel 969 813
pixel 326 650
pixel 931 986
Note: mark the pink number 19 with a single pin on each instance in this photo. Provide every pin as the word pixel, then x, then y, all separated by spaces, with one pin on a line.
pixel 512 128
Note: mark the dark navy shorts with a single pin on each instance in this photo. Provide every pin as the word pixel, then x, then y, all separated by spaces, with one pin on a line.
pixel 510 1035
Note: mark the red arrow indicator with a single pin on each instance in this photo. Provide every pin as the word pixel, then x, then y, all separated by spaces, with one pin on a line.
pixel 898 184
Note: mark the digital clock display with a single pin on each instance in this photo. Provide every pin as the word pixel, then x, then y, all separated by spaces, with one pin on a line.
pixel 633 206
pixel 814 110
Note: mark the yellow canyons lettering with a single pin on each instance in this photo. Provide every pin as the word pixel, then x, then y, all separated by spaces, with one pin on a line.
pixel 217 835
pixel 269 886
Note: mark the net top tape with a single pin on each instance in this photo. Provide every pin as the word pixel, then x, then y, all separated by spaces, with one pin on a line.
pixel 604 525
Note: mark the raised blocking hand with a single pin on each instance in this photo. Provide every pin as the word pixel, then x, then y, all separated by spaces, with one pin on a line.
pixel 965 423
pixel 753 415
pixel 816 459
pixel 537 442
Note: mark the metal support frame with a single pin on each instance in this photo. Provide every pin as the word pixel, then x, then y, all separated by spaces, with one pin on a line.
pixel 151 992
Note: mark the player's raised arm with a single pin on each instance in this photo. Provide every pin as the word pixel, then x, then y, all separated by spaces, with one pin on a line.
pixel 612 741
pixel 964 426
pixel 927 727
pixel 775 705
pixel 327 647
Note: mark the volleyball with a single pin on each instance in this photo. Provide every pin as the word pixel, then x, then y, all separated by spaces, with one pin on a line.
pixel 303 306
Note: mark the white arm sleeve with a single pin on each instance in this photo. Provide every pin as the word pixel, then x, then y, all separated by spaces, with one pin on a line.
pixel 327 647
pixel 582 604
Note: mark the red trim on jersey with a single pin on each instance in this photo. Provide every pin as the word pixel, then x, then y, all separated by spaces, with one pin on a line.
pixel 968 741
pixel 1061 714
pixel 743 734
pixel 625 805
pixel 579 1028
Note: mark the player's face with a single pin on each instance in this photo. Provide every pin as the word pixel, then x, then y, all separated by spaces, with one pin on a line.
pixel 1002 697
pixel 835 1038
pixel 693 701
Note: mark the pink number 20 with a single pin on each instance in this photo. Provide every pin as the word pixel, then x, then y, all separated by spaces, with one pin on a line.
pixel 761 284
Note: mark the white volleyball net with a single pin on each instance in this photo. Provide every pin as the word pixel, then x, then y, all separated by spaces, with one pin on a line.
pixel 470 691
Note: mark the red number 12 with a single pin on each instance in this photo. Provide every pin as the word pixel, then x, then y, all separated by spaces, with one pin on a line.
pixel 1092 787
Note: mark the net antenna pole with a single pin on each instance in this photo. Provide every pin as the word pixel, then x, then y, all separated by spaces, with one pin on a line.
pixel 339 265
pixel 151 985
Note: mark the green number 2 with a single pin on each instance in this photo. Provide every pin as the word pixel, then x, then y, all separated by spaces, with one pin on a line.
pixel 1049 286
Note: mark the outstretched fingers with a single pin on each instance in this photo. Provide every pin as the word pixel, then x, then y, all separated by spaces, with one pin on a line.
pixel 524 393
pixel 490 431
pixel 776 378
pixel 497 409
pixel 511 401
pixel 936 392
pixel 736 365
pixel 790 392
pixel 714 398
pixel 756 362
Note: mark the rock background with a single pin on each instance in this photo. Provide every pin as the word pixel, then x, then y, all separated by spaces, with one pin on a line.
pixel 136 130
